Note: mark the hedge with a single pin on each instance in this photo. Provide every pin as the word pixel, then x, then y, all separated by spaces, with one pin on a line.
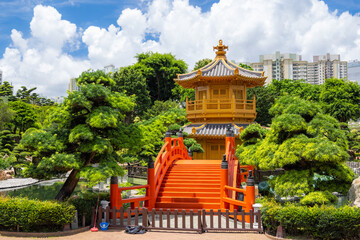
pixel 319 222
pixel 34 215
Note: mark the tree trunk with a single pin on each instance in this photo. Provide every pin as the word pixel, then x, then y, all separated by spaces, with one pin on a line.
pixel 69 186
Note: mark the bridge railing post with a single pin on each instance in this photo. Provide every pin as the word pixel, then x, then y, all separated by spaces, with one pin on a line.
pixel 223 181
pixel 114 192
pixel 250 194
pixel 168 140
pixel 151 182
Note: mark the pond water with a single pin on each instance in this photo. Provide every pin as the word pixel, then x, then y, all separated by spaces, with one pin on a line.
pixel 43 190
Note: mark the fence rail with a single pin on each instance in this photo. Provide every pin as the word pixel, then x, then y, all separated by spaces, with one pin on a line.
pixel 137 171
pixel 181 220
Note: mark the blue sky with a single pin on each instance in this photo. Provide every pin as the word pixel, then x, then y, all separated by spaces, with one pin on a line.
pixel 17 14
pixel 44 43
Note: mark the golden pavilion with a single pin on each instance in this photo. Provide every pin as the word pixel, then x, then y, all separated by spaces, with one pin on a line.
pixel 220 102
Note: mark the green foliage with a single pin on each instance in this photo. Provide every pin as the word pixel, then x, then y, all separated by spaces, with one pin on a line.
pixel 95 77
pixel 34 215
pixel 253 134
pixel 325 222
pixel 85 135
pixel 84 202
pixel 131 81
pixel 160 107
pixel 159 71
pixel 6 114
pixel 318 198
pixel 341 99
pixel 245 66
pixel 7 142
pixel 292 183
pixel 24 118
pixel 193 145
pixel 266 95
pixel 202 63
pixel 6 90
pixel 28 96
pixel 304 142
pixel 180 94
pixel 154 129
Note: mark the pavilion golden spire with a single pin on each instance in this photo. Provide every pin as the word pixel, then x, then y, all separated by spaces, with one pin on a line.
pixel 220 50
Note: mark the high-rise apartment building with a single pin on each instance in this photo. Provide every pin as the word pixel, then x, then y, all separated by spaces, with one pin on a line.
pixel 354 71
pixel 72 85
pixel 291 66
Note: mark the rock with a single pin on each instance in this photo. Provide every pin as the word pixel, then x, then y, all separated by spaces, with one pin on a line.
pixel 6 174
pixel 354 193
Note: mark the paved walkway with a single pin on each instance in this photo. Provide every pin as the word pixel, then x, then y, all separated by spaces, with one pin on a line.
pixel 17 182
pixel 153 235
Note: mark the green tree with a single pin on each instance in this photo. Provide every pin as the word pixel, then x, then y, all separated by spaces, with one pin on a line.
pixel 341 99
pixel 202 63
pixel 6 90
pixel 160 107
pixel 7 142
pixel 131 81
pixel 160 71
pixel 265 96
pixel 25 94
pixel 85 135
pixel 154 129
pixel 6 114
pixel 308 144
pixel 245 66
pixel 24 118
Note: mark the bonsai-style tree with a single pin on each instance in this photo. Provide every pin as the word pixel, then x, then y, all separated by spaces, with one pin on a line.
pixel 85 136
pixel 308 144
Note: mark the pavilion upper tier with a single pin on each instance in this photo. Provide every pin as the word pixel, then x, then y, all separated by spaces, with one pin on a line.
pixel 221 71
pixel 221 91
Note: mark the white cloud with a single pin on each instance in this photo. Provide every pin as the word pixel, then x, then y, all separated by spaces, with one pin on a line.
pixel 40 60
pixel 249 27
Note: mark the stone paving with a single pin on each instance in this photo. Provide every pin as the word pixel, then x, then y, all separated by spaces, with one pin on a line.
pixel 153 235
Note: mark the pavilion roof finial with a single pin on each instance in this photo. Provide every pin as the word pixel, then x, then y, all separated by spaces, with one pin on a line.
pixel 220 50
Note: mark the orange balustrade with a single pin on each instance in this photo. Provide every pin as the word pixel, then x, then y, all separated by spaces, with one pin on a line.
pixel 173 149
pixel 235 176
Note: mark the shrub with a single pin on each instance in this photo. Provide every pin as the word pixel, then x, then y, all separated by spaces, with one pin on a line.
pixel 34 215
pixel 84 202
pixel 325 222
pixel 318 198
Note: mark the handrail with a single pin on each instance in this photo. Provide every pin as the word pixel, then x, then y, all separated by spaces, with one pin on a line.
pixel 233 166
pixel 235 189
pixel 173 149
pixel 134 187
